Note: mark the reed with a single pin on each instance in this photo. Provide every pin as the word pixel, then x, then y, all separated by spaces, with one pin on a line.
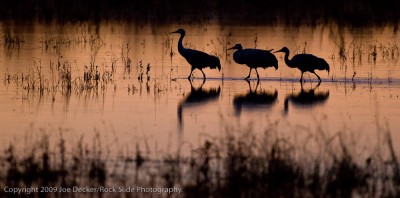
pixel 11 40
pixel 243 162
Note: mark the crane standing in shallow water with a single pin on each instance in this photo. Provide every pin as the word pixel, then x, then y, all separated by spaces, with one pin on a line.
pixel 254 58
pixel 305 62
pixel 197 59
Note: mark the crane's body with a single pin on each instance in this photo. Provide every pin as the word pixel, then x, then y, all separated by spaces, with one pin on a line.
pixel 305 63
pixel 197 59
pixel 254 58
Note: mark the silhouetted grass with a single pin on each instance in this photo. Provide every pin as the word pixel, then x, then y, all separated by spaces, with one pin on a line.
pixel 46 164
pixel 311 12
pixel 11 40
pixel 242 163
pixel 58 75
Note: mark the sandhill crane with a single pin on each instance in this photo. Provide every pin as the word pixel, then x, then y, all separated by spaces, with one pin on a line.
pixel 305 62
pixel 197 59
pixel 254 58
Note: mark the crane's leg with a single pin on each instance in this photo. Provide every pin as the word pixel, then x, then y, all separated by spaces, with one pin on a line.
pixel 258 83
pixel 191 86
pixel 317 76
pixel 204 75
pixel 301 78
pixel 319 83
pixel 249 74
pixel 190 74
pixel 202 83
pixel 258 77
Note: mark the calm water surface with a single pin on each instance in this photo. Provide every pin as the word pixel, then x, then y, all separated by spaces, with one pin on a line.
pixel 359 97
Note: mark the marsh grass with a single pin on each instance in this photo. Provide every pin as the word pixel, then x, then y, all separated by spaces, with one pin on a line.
pixel 241 163
pixel 374 51
pixel 125 56
pixel 11 40
pixel 48 162
pixel 56 43
pixel 59 76
pixel 63 76
pixel 352 55
pixel 140 69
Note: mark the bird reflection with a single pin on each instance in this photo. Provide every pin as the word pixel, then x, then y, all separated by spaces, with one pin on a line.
pixel 197 96
pixel 254 99
pixel 306 98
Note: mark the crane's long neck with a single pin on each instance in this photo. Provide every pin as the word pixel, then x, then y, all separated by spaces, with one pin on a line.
pixel 288 61
pixel 181 49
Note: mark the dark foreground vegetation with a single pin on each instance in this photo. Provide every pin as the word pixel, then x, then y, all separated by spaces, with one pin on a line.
pixel 356 12
pixel 243 163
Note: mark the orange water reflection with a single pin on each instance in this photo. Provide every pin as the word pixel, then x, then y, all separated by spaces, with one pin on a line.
pixel 361 90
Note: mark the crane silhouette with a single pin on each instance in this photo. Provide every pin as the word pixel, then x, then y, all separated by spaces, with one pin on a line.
pixel 254 99
pixel 197 59
pixel 306 98
pixel 305 63
pixel 254 58
pixel 197 96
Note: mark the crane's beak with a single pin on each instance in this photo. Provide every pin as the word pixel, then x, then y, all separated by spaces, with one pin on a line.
pixel 277 51
pixel 173 32
pixel 231 48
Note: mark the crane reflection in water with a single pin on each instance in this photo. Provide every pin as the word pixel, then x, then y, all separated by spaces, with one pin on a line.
pixel 197 97
pixel 306 98
pixel 254 99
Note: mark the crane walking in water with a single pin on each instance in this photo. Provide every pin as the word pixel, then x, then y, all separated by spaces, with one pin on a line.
pixel 197 59
pixel 305 62
pixel 254 58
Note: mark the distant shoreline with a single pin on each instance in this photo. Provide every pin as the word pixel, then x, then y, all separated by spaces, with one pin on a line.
pixel 251 12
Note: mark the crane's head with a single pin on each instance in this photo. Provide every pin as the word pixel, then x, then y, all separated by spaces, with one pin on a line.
pixel 237 46
pixel 179 31
pixel 284 49
pixel 327 68
pixel 322 65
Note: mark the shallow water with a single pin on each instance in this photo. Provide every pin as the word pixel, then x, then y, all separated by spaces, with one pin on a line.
pixel 359 96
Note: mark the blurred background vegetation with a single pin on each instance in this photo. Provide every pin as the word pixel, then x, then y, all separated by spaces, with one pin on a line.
pixel 254 12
